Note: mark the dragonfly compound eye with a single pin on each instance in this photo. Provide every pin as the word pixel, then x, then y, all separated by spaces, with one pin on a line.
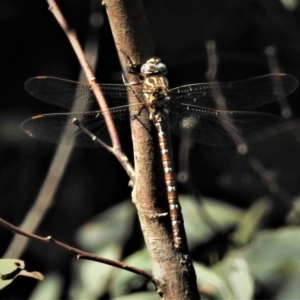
pixel 154 66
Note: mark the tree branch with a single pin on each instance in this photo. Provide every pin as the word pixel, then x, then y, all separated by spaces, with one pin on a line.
pixel 172 270
pixel 79 253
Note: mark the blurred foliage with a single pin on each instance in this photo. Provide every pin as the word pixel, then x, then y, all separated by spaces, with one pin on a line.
pixel 243 234
pixel 269 262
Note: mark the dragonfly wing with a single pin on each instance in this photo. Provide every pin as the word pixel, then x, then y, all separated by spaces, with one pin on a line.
pixel 74 95
pixel 237 96
pixel 59 128
pixel 220 128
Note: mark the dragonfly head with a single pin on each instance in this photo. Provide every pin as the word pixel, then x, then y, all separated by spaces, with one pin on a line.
pixel 154 66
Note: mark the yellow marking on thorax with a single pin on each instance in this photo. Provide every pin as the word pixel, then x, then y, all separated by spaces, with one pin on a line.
pixel 154 85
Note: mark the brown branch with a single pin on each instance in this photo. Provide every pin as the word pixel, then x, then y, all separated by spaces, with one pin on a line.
pixel 79 253
pixel 71 35
pixel 172 271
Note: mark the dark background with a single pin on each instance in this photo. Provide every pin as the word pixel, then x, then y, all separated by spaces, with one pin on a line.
pixel 33 44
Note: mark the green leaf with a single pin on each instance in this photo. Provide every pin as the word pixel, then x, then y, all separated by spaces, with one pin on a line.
pixel 105 236
pixel 139 296
pixel 112 226
pixel 289 288
pixel 251 221
pixel 211 284
pixel 91 279
pixel 290 4
pixel 50 288
pixel 273 260
pixel 11 268
pixel 234 270
pixel 222 215
pixel 124 282
pixel 274 254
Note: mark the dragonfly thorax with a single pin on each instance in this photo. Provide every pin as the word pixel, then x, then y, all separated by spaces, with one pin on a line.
pixel 155 90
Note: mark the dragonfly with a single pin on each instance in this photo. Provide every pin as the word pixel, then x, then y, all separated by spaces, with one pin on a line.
pixel 193 110
pixel 208 113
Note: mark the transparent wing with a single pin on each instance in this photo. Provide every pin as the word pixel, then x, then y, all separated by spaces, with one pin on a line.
pixel 219 128
pixel 59 128
pixel 236 96
pixel 74 95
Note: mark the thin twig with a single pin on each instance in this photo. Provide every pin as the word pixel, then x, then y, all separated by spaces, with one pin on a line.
pixel 79 253
pixel 185 147
pixel 270 181
pixel 43 201
pixel 213 60
pixel 242 148
pixel 226 122
pixel 123 159
pixel 57 168
pixel 270 52
pixel 71 35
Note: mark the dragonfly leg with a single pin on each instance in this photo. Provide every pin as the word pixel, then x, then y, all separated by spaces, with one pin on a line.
pixel 130 83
